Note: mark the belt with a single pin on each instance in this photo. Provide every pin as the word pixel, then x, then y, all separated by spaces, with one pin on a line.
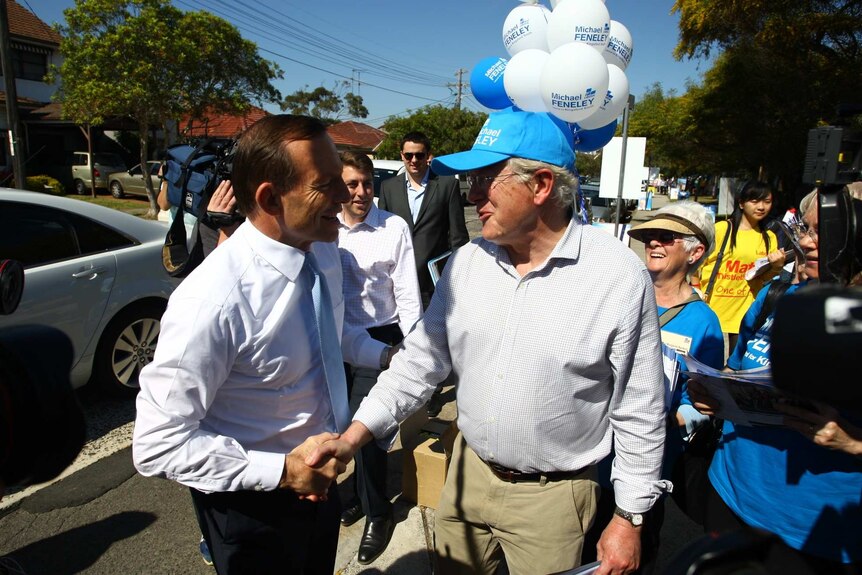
pixel 513 476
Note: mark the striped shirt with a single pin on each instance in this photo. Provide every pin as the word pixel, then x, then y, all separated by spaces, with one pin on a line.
pixel 552 368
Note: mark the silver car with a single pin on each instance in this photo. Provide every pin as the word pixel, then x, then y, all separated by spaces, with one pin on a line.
pixel 132 182
pixel 94 273
pixel 104 163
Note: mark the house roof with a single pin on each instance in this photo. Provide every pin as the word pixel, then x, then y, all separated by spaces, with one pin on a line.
pixel 26 25
pixel 356 135
pixel 222 125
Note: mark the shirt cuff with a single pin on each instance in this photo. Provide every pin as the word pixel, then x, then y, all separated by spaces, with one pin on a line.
pixel 264 471
pixel 374 415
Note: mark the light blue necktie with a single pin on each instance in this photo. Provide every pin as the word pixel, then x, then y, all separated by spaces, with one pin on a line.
pixel 330 349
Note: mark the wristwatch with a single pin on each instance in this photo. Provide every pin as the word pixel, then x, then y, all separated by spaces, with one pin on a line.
pixel 636 519
pixel 384 357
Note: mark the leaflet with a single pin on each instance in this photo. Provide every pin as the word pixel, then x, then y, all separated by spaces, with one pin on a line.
pixel 745 397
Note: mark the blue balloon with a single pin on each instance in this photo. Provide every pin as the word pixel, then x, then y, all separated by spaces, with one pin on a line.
pixel 486 83
pixel 592 140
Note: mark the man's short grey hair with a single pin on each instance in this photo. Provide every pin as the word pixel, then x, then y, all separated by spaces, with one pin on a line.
pixel 565 182
pixel 699 216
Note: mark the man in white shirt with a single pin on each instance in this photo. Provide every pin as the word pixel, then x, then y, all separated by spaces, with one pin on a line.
pixel 381 295
pixel 551 329
pixel 242 384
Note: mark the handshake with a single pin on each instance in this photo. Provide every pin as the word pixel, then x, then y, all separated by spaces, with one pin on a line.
pixel 310 469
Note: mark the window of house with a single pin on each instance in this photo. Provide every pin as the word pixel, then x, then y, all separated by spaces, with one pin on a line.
pixel 29 65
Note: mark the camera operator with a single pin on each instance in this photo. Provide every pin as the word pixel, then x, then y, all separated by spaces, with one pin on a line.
pixel 801 482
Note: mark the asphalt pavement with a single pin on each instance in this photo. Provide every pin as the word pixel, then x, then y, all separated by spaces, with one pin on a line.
pixel 106 519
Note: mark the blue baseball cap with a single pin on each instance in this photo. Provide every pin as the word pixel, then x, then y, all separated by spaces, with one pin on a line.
pixel 513 133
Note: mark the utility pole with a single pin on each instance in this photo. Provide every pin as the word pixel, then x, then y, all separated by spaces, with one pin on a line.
pixel 460 86
pixel 630 105
pixel 11 97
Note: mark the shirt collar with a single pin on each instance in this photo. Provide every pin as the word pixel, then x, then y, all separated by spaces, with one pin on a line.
pixel 567 248
pixel 423 183
pixel 372 218
pixel 288 260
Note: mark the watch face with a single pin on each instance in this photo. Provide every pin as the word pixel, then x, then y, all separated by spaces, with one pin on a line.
pixel 637 519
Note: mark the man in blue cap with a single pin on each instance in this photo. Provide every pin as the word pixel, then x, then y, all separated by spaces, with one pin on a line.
pixel 547 383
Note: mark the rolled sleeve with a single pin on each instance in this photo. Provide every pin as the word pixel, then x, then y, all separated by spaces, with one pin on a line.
pixel 638 410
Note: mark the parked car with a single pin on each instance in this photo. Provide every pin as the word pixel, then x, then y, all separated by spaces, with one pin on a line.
pixel 104 163
pixel 132 182
pixel 605 209
pixel 94 273
pixel 383 170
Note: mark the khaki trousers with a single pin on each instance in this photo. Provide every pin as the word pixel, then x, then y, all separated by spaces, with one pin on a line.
pixel 534 527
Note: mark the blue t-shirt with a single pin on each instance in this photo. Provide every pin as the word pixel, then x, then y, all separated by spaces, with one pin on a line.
pixel 698 322
pixel 778 480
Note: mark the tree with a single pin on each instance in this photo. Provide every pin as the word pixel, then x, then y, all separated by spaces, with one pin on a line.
pixel 784 67
pixel 589 164
pixel 148 61
pixel 449 129
pixel 328 105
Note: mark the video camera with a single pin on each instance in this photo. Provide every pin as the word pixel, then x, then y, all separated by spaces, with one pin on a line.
pixel 824 321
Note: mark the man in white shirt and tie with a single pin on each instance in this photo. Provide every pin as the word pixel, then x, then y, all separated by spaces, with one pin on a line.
pixel 381 295
pixel 248 374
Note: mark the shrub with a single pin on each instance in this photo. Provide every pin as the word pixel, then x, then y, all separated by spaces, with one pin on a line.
pixel 45 185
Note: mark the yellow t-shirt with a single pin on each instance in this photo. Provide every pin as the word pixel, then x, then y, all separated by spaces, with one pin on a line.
pixel 731 296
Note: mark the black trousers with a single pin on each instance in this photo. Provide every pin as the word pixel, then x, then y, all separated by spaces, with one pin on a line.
pixel 371 461
pixel 262 532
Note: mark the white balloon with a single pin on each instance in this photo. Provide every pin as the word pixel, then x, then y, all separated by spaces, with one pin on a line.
pixel 614 102
pixel 583 21
pixel 574 81
pixel 521 79
pixel 526 27
pixel 620 46
pixel 555 2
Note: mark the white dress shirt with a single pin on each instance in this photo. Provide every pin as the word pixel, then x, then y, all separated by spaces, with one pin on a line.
pixel 236 383
pixel 380 285
pixel 552 367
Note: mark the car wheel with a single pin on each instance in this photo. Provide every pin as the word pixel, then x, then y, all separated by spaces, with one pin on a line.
pixel 126 346
pixel 80 187
pixel 117 189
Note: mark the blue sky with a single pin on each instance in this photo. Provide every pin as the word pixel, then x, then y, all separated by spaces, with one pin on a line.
pixel 400 56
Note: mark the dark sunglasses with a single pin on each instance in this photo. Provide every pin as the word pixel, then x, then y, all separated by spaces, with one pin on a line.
pixel 663 236
pixel 410 155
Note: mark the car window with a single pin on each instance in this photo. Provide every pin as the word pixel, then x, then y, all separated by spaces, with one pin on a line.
pixel 38 235
pixel 108 159
pixel 136 171
pixel 94 237
pixel 35 236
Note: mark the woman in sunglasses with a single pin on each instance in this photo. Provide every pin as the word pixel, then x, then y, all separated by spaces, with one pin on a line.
pixel 729 294
pixel 676 241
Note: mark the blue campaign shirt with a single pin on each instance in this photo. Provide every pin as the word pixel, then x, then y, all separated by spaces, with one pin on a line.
pixel 778 480
pixel 698 322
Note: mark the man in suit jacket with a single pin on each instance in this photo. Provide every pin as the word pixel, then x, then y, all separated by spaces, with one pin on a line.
pixel 430 204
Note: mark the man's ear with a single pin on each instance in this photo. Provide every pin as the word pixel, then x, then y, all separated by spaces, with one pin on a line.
pixel 542 185
pixel 268 199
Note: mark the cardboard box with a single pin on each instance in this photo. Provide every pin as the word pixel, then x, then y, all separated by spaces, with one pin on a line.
pixel 425 467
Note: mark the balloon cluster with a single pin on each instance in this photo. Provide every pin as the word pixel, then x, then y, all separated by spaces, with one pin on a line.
pixel 569 62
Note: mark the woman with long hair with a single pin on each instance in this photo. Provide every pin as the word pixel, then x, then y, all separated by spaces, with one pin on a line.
pixel 748 240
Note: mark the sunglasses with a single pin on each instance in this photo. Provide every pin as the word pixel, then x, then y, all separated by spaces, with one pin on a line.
pixel 662 236
pixel 418 155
